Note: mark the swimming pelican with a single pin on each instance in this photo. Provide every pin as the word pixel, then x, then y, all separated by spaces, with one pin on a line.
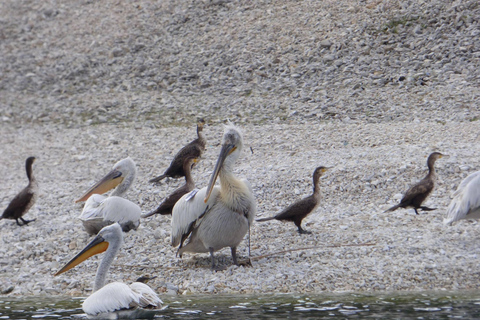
pixel 414 196
pixel 216 217
pixel 466 200
pixel 167 204
pixel 24 200
pixel 297 211
pixel 116 297
pixel 194 149
pixel 100 211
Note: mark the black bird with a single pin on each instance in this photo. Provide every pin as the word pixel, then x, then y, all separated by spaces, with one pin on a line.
pixel 194 149
pixel 167 204
pixel 23 201
pixel 297 211
pixel 414 196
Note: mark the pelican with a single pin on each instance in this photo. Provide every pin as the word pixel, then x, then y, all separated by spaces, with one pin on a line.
pixel 194 149
pixel 100 211
pixel 116 299
pixel 414 196
pixel 24 200
pixel 167 204
pixel 216 217
pixel 297 211
pixel 466 200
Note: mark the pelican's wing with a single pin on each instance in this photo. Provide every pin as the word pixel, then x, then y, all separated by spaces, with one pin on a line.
pixel 147 297
pixel 114 209
pixel 466 203
pixel 188 211
pixel 112 297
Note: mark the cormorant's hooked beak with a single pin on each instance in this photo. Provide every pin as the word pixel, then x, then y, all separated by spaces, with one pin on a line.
pixel 110 181
pixel 98 245
pixel 227 149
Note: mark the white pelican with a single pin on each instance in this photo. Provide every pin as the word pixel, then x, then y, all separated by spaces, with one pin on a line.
pixel 100 211
pixel 115 299
pixel 25 199
pixel 414 196
pixel 466 200
pixel 216 217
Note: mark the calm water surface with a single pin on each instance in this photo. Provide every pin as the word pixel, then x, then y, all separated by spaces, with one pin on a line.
pixel 440 305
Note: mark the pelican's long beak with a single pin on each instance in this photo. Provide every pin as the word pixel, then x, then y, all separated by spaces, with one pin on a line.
pixel 110 181
pixel 98 245
pixel 227 149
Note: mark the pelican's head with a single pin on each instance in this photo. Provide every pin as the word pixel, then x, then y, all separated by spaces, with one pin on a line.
pixel 123 172
pixel 232 145
pixel 111 234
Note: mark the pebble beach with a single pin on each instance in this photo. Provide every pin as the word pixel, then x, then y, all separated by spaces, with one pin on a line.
pixel 367 88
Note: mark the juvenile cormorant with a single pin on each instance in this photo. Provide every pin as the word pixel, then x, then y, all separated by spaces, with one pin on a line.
pixel 414 196
pixel 167 204
pixel 297 211
pixel 24 200
pixel 194 149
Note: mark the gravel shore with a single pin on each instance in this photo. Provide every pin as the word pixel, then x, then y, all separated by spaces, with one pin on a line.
pixel 367 88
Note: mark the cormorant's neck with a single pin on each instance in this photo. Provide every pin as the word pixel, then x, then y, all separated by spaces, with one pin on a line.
pixel 201 136
pixel 29 169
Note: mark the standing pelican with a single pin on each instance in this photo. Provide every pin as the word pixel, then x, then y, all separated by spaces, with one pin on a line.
pixel 297 211
pixel 100 211
pixel 414 196
pixel 24 200
pixel 167 204
pixel 216 217
pixel 115 297
pixel 194 149
pixel 466 200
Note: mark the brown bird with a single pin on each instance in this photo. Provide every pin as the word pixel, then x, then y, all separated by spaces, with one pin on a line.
pixel 297 211
pixel 414 196
pixel 167 204
pixel 23 201
pixel 194 149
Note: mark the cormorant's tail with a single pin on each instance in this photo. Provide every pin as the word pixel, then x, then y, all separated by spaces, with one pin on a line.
pixel 395 207
pixel 157 179
pixel 148 214
pixel 265 219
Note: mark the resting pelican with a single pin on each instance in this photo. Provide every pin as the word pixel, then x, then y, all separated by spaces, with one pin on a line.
pixel 24 200
pixel 216 217
pixel 116 297
pixel 100 211
pixel 194 149
pixel 414 196
pixel 167 204
pixel 466 200
pixel 297 211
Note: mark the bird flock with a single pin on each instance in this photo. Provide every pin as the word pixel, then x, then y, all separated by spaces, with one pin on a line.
pixel 203 220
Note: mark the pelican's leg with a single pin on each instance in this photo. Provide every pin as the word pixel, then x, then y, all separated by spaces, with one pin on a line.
pixel 213 258
pixel 234 255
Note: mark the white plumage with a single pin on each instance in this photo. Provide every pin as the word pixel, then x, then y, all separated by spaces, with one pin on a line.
pixel 215 217
pixel 466 200
pixel 100 210
pixel 115 299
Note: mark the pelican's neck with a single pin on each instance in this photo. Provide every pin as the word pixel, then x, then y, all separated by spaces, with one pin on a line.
pixel 122 188
pixel 235 193
pixel 113 247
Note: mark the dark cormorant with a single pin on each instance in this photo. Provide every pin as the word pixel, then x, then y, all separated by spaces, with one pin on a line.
pixel 414 196
pixel 297 211
pixel 194 149
pixel 25 199
pixel 167 204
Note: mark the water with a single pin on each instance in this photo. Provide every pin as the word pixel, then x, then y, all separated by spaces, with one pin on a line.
pixel 440 305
